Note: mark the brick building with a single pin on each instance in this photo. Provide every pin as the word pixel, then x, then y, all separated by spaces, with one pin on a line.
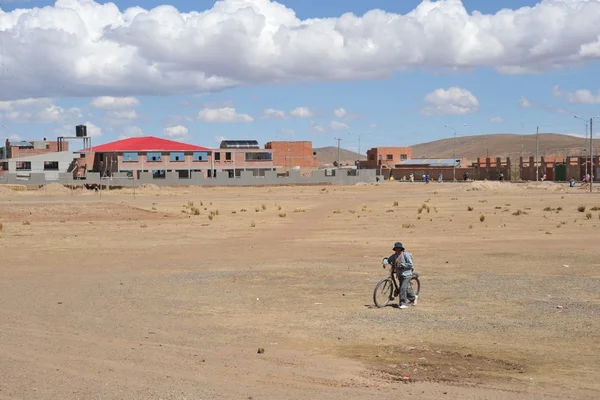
pixel 385 157
pixel 29 148
pixel 293 154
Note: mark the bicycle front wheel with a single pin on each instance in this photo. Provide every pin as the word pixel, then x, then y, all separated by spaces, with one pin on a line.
pixel 414 286
pixel 382 294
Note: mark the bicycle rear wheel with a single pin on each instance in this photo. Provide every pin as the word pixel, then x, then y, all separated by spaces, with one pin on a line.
pixel 382 294
pixel 414 285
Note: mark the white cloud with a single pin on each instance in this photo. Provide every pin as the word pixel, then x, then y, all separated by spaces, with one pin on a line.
pixel 287 132
pixel 496 120
pixel 524 103
pixel 338 126
pixel 454 101
pixel 92 49
pixel 581 96
pixel 42 111
pixel 121 116
pixel 114 103
pixel 271 113
pixel 177 131
pixel 339 112
pixel 225 114
pixel 93 130
pixel 301 112
pixel 219 139
pixel 317 128
pixel 131 131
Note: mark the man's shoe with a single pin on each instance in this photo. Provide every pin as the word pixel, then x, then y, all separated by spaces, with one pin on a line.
pixel 414 303
pixel 403 306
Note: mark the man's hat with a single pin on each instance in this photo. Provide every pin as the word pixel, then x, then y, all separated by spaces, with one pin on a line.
pixel 398 245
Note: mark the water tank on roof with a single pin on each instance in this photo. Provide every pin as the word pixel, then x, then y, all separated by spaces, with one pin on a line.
pixel 239 144
pixel 81 131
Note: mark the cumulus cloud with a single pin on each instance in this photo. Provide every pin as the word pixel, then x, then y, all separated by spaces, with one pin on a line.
pixel 581 96
pixel 287 132
pixel 222 115
pixel 496 120
pixel 131 131
pixel 338 126
pixel 524 103
pixel 42 110
pixel 91 49
pixel 339 112
pixel 301 112
pixel 114 103
pixel 453 101
pixel 177 131
pixel 271 113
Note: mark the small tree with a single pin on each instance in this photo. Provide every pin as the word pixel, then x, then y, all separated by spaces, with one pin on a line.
pixel 335 163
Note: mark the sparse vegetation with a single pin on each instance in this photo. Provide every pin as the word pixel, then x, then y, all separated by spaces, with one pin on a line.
pixel 469 208
pixel 1 227
pixel 299 210
pixel 234 212
pixel 26 222
pixel 482 218
pixel 581 209
pixel 423 207
pixel 498 208
pixel 210 217
pixel 264 207
pixel 257 209
pixel 559 209
pixel 243 210
pixel 407 226
pixel 278 208
pixel 391 211
pixel 519 212
pixel 153 208
pixel 483 201
pixel 282 215
pixel 470 226
pixel 588 215
pixel 595 208
pixel 143 226
pixel 337 212
pixel 195 211
pixel 352 211
pixel 549 209
pixel 252 224
pixel 395 204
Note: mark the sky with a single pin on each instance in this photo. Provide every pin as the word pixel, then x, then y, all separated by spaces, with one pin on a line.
pixel 382 72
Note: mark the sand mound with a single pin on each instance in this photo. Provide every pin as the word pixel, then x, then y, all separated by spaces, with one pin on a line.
pixel 489 186
pixel 56 188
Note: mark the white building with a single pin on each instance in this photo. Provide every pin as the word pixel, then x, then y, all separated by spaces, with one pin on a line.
pixel 50 164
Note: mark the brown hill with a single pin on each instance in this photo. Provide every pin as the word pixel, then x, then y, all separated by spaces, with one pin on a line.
pixel 327 155
pixel 503 145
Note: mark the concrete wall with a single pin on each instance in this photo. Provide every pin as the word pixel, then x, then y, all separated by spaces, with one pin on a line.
pixel 247 178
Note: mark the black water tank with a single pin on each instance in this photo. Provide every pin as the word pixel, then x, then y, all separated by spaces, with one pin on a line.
pixel 81 131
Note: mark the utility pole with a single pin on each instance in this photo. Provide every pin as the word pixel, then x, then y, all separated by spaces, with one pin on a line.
pixel 585 144
pixel 537 149
pixel 338 155
pixel 591 154
pixel 454 151
pixel 359 154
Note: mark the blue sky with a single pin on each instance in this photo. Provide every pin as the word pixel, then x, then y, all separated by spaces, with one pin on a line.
pixel 397 107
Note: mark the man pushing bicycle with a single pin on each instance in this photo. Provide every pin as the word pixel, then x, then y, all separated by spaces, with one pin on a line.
pixel 402 263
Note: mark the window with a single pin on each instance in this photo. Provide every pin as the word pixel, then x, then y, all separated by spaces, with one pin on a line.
pixel 184 174
pixel 177 157
pixel 390 157
pixel 217 156
pixel 50 165
pixel 159 174
pixel 256 156
pixel 372 158
pixel 200 156
pixel 23 166
pixel 130 157
pixel 403 157
pixel 154 157
pixel 227 156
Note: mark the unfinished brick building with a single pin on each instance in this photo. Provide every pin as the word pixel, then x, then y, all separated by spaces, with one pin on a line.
pixel 293 154
pixel 29 148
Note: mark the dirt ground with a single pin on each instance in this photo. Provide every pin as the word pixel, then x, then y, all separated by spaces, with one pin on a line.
pixel 111 296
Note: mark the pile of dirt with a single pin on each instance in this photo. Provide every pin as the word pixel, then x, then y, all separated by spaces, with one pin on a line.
pixel 485 186
pixel 55 188
pixel 548 186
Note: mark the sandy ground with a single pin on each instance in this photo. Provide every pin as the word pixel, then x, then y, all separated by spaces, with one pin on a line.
pixel 107 296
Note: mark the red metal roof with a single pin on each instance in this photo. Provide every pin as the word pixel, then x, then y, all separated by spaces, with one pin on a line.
pixel 146 143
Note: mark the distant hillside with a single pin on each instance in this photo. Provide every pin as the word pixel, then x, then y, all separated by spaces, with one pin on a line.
pixel 503 145
pixel 327 155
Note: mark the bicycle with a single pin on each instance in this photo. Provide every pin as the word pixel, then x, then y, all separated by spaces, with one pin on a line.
pixel 388 288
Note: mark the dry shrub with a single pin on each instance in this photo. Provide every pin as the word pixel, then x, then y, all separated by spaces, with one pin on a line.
pixel 190 204
pixel 217 212
pixel 548 233
pixel 407 226
pixel 454 198
pixel 482 218
pixel 26 222
pixel 234 212
pixel 143 226
pixel 469 208
pixel 299 210
pixel 470 226
pixel 282 215
pixel 243 210
pixel 588 215
pixel 483 201
pixel 257 209
pixel 581 209
pixel 395 204
pixel 352 211
pixel 1 227
pixel 153 208
pixel 498 208
pixel 264 207
pixel 559 209
pixel 337 212
pixel 519 212
pixel 210 217
pixel 549 209
pixel 595 208
pixel 252 224
pixel 391 211
pixel 195 211
pixel 278 208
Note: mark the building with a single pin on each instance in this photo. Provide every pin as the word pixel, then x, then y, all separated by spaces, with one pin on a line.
pixel 51 165
pixel 159 157
pixel 385 157
pixel 293 154
pixel 28 148
pixel 483 168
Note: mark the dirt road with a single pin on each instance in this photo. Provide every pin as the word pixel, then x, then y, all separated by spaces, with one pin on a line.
pixel 140 298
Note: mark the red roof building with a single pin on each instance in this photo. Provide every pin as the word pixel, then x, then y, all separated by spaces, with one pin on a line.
pixel 145 143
